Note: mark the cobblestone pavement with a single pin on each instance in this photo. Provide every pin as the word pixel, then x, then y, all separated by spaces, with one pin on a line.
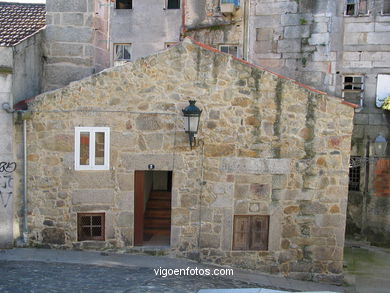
pixel 32 276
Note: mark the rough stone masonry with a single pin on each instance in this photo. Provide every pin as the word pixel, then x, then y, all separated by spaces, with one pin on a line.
pixel 266 146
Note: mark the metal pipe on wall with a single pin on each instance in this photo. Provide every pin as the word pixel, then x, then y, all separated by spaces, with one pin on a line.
pixel 25 210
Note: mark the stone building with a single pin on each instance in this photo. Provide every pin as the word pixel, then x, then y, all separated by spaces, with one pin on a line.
pixel 342 48
pixel 75 41
pixel 87 36
pixel 265 186
pixel 20 78
pixel 339 47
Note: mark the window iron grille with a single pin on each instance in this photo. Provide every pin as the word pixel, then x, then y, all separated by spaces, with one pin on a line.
pixel 354 174
pixel 90 226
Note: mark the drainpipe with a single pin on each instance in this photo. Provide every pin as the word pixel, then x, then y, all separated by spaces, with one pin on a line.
pixel 25 212
pixel 183 20
pixel 7 107
pixel 245 44
pixel 366 189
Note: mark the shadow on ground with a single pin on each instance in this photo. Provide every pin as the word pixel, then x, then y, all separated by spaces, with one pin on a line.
pixel 367 269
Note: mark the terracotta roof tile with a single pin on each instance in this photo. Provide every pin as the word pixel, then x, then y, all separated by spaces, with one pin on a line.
pixel 19 20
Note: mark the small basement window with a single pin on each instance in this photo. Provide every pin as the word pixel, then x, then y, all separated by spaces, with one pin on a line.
pixel 250 232
pixel 124 4
pixel 354 174
pixel 356 7
pixel 173 4
pixel 230 49
pixel 386 7
pixel 90 226
pixel 353 89
pixel 92 148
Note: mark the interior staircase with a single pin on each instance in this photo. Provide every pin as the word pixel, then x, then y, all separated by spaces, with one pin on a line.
pixel 157 220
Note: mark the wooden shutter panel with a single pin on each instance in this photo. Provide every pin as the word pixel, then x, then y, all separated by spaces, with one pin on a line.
pixel 259 233
pixel 241 232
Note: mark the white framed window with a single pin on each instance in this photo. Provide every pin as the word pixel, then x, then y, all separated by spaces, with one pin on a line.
pixel 353 89
pixel 386 7
pixel 356 7
pixel 230 49
pixel 122 52
pixel 92 148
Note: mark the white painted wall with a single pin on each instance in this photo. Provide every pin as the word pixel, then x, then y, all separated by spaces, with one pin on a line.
pixel 6 154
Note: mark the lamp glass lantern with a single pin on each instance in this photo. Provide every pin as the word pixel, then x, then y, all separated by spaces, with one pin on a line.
pixel 191 115
pixel 380 145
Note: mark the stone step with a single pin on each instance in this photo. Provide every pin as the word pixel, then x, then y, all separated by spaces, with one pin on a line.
pixel 156 203
pixel 155 231
pixel 157 222
pixel 160 195
pixel 158 213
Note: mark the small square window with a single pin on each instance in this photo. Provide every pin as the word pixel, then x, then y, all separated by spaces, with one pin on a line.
pixel 250 232
pixel 356 7
pixel 92 148
pixel 386 7
pixel 124 4
pixel 353 89
pixel 354 174
pixel 90 226
pixel 122 52
pixel 229 49
pixel 173 4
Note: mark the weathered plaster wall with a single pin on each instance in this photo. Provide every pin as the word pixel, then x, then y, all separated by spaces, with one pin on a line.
pixel 28 68
pixel 148 26
pixel 267 146
pixel 6 155
pixel 76 43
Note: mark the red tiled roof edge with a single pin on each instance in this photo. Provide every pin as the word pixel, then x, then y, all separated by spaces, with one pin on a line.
pixel 350 104
pixel 23 105
pixel 207 47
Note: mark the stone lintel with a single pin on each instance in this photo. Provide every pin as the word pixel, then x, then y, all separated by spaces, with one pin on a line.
pixel 255 166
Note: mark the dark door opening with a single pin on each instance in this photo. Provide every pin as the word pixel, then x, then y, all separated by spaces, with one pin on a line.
pixel 152 208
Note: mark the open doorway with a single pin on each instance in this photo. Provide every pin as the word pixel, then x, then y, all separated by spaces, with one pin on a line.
pixel 152 208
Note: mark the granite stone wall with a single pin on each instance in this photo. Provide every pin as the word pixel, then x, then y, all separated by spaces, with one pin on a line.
pixel 266 146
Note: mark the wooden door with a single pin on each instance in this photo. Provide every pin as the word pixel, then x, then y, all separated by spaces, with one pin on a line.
pixel 139 179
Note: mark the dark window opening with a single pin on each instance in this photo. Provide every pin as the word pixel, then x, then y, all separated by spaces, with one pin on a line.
pixel 354 174
pixel 350 10
pixel 250 232
pixel 386 7
pixel 173 4
pixel 122 52
pixel 229 49
pixel 353 89
pixel 90 226
pixel 124 4
pixel 356 7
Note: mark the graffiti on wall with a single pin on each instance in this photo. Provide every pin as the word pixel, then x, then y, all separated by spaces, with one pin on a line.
pixel 7 167
pixel 6 182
